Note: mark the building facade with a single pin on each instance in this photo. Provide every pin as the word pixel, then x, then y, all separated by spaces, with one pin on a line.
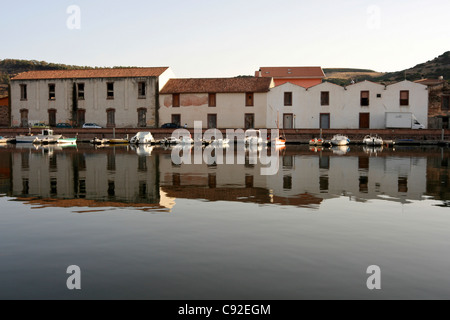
pixel 120 97
pixel 218 102
pixel 359 106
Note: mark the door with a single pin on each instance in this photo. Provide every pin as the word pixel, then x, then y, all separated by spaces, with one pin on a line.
pixel 24 118
pixel 249 121
pixel 364 120
pixel 288 121
pixel 176 118
pixel 324 121
pixel 81 117
pixel 142 118
pixel 212 121
pixel 111 118
pixel 52 118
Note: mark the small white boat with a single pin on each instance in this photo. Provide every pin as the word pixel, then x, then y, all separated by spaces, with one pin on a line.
pixel 340 140
pixel 373 140
pixel 316 142
pixel 254 137
pixel 171 141
pixel 4 140
pixel 220 142
pixel 143 138
pixel 186 140
pixel 97 141
pixel 46 137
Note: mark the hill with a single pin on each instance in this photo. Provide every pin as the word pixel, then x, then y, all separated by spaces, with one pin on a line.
pixel 432 69
pixel 11 67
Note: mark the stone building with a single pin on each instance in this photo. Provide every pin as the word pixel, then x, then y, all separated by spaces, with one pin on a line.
pixel 117 97
pixel 439 102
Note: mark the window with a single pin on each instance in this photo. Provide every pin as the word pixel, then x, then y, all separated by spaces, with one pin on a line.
pixel 142 90
pixel 51 92
pixel 23 92
pixel 52 117
pixel 445 102
pixel 212 121
pixel 365 98
pixel 404 98
pixel 288 98
pixel 176 100
pixel 176 118
pixel 249 99
pixel 142 117
pixel 110 90
pixel 212 100
pixel 110 118
pixel 287 182
pixel 378 95
pixel 24 118
pixel 80 90
pixel 325 98
pixel 249 121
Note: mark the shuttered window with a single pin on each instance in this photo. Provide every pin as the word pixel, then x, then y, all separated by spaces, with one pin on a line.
pixel 404 98
pixel 365 98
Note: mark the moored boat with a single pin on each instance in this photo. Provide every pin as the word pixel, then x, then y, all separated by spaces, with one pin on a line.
pixel 316 142
pixel 46 137
pixel 340 140
pixel 143 138
pixel 373 140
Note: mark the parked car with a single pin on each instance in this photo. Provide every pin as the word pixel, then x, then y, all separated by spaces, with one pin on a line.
pixel 91 126
pixel 64 126
pixel 40 126
pixel 170 126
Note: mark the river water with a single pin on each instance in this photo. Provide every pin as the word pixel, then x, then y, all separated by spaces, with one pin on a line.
pixel 142 227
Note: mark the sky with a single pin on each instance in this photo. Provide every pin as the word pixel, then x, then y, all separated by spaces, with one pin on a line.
pixel 212 38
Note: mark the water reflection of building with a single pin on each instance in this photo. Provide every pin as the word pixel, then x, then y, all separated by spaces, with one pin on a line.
pixel 304 178
pixel 122 177
pixel 110 175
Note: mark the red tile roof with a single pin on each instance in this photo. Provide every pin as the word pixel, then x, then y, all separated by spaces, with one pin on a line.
pixel 292 72
pixel 217 85
pixel 92 73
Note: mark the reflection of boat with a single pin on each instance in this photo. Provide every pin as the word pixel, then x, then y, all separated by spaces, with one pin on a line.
pixel 46 137
pixel 340 150
pixel 373 140
pixel 144 150
pixel 315 148
pixel 143 138
pixel 67 141
pixel 372 149
pixel 340 140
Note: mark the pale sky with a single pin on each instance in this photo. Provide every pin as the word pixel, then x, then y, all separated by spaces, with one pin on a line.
pixel 212 38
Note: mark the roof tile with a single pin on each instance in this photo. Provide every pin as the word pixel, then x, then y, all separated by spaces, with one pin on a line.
pixel 217 85
pixel 92 73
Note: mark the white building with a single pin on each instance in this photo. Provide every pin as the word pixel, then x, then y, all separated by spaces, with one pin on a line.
pixel 359 106
pixel 119 97
pixel 217 102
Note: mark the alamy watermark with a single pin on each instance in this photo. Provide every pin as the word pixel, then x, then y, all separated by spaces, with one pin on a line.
pixel 374 281
pixel 252 142
pixel 74 281
pixel 73 22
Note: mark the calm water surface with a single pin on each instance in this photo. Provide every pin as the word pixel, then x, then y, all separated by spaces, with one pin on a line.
pixel 141 227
